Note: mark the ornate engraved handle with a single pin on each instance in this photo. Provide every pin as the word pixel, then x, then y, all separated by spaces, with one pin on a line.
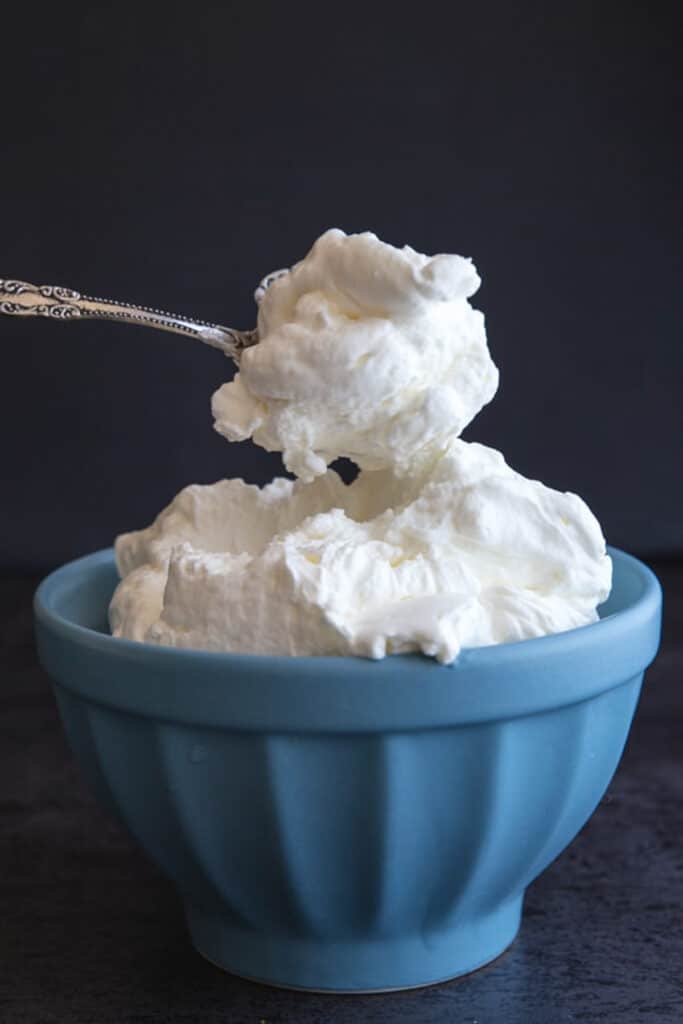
pixel 19 298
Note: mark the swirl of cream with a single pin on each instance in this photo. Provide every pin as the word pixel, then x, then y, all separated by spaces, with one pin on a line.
pixel 366 351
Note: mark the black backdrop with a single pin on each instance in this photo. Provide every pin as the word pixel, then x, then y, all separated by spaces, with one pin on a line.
pixel 171 158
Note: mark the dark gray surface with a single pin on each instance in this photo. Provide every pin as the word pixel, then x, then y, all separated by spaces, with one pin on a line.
pixel 173 160
pixel 90 933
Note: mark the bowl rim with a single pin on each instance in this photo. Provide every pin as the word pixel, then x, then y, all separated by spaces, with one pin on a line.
pixel 257 691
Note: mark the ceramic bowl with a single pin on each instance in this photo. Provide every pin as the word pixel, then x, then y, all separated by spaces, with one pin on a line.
pixel 339 823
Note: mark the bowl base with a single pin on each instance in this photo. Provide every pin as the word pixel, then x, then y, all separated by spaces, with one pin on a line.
pixel 356 966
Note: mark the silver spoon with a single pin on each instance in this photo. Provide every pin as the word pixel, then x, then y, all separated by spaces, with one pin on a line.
pixel 19 298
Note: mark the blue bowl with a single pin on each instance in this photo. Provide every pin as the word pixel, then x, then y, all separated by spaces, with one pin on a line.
pixel 337 823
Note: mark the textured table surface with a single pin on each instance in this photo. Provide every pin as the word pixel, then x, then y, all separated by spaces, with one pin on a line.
pixel 91 933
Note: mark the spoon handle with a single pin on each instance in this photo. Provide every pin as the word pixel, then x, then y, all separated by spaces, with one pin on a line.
pixel 19 298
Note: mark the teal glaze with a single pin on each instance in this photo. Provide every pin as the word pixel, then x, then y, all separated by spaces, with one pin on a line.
pixel 344 824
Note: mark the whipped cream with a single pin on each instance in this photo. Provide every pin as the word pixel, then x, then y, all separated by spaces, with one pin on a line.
pixel 365 351
pixel 472 553
pixel 374 353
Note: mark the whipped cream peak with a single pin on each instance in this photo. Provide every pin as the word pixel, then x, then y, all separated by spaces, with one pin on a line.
pixel 366 351
pixel 398 280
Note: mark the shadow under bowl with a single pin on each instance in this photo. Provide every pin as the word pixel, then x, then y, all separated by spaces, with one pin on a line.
pixel 343 824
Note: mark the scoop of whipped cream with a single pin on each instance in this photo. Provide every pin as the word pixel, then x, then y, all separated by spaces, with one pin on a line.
pixel 373 353
pixel 365 351
pixel 467 553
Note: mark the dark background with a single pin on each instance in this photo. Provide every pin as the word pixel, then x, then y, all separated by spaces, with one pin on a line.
pixel 173 158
